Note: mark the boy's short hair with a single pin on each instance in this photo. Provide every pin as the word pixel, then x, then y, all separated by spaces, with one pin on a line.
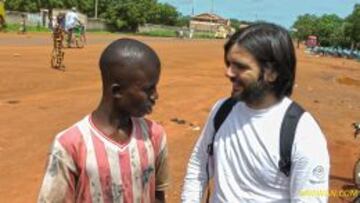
pixel 123 53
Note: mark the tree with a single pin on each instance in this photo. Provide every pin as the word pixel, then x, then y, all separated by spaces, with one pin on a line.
pixel 352 25
pixel 329 29
pixel 163 14
pixel 125 15
pixel 21 5
pixel 338 37
pixel 305 26
pixel 129 14
pixel 183 21
pixel 235 23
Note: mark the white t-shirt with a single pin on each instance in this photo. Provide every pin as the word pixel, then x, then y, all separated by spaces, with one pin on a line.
pixel 71 20
pixel 246 156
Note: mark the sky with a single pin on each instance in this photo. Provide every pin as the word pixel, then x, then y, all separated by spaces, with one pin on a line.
pixel 283 12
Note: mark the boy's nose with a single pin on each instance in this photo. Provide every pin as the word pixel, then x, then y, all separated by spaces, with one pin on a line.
pixel 154 96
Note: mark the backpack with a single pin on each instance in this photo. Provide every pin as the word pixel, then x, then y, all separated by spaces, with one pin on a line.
pixel 287 131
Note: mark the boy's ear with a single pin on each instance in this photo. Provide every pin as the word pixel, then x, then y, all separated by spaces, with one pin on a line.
pixel 116 91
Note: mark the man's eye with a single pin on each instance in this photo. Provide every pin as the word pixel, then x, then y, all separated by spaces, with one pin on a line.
pixel 240 66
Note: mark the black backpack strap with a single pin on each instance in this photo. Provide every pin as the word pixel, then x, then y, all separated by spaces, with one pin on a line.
pixel 219 118
pixel 287 134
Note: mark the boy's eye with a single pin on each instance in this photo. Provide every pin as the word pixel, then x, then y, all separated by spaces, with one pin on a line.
pixel 149 89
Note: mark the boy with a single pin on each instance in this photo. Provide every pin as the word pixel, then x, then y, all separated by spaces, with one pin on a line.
pixel 58 38
pixel 114 154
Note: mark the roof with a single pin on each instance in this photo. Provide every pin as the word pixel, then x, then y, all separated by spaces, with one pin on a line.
pixel 208 16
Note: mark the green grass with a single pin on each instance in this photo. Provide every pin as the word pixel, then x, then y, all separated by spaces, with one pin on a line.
pixel 204 35
pixel 172 33
pixel 16 28
pixel 159 33
pixel 99 31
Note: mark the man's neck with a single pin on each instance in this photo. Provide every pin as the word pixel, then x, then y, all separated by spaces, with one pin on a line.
pixel 269 100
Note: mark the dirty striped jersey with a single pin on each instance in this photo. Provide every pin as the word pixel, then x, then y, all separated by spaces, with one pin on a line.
pixel 87 166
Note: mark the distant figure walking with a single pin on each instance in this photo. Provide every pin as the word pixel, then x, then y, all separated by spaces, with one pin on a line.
pixel 22 29
pixel 57 56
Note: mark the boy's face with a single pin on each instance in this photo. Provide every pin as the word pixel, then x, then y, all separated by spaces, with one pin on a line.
pixel 141 94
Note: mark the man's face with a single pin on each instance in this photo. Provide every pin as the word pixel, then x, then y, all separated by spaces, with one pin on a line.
pixel 248 82
pixel 140 96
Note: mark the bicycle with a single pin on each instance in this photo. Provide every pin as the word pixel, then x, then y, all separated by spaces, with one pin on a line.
pixel 77 37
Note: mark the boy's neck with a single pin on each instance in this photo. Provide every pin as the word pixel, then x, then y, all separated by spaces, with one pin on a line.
pixel 112 123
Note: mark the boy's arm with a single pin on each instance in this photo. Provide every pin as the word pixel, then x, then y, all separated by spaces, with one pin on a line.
pixel 309 180
pixel 59 180
pixel 161 171
pixel 160 197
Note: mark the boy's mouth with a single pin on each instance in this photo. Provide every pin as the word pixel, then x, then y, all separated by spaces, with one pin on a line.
pixel 149 108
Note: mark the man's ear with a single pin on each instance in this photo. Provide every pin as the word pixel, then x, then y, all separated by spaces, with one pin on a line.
pixel 270 75
pixel 116 91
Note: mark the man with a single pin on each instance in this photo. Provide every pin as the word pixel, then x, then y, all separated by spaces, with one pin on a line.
pixel 245 161
pixel 114 154
pixel 22 29
pixel 71 21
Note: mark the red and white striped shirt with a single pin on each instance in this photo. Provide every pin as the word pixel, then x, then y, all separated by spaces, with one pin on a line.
pixel 87 166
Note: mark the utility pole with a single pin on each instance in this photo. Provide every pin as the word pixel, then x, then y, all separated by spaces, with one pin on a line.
pixel 212 6
pixel 192 8
pixel 96 9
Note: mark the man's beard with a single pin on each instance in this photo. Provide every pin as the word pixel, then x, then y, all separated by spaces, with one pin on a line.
pixel 255 92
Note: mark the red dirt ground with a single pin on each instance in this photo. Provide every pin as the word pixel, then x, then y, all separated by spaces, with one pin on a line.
pixel 36 102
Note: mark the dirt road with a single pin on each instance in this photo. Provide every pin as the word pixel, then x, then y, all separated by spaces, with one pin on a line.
pixel 36 102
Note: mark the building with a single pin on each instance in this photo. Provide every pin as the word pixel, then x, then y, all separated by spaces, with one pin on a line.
pixel 208 22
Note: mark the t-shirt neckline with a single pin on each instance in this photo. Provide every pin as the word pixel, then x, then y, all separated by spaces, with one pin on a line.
pixel 259 112
pixel 106 138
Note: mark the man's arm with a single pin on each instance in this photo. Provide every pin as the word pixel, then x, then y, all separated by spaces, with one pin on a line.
pixel 196 178
pixel 59 180
pixel 310 164
pixel 77 19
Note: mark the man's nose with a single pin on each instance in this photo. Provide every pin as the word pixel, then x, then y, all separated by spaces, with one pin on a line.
pixel 229 72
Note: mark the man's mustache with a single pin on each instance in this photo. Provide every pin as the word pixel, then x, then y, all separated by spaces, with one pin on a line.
pixel 237 81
